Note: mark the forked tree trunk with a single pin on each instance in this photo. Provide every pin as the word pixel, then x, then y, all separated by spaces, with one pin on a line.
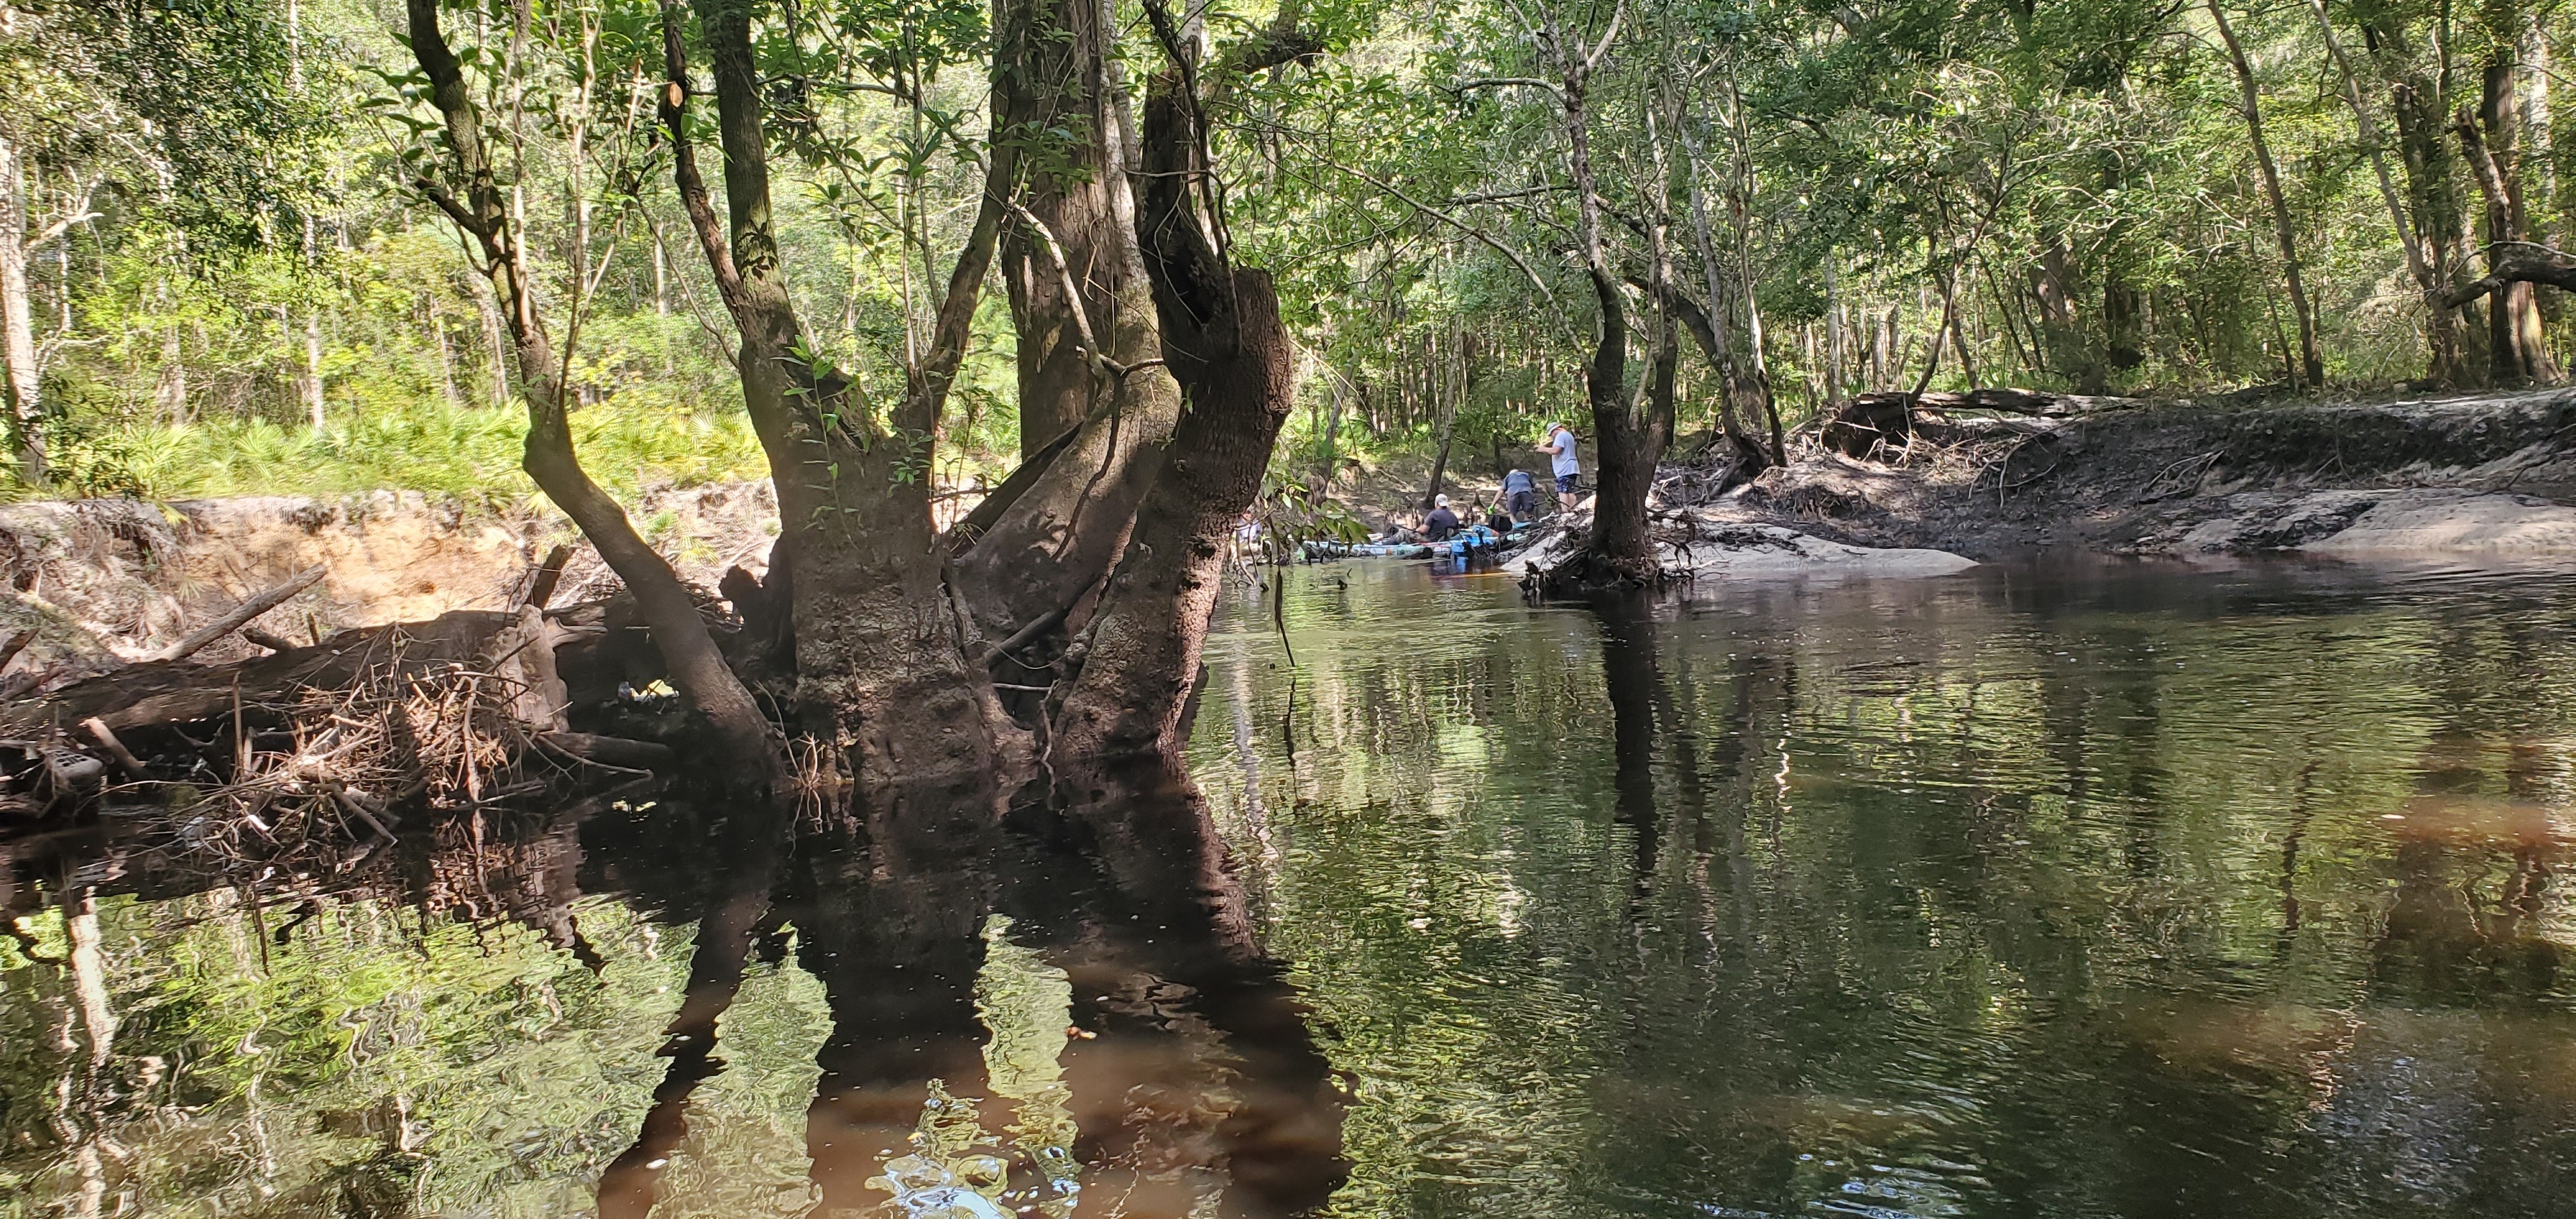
pixel 2416 109
pixel 1628 443
pixel 1085 316
pixel 1740 404
pixel 1056 95
pixel 1625 445
pixel 474 200
pixel 882 662
pixel 1750 391
pixel 1228 350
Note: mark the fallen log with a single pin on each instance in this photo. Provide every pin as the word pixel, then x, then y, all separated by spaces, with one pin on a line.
pixel 582 649
pixel 539 586
pixel 174 692
pixel 616 752
pixel 107 739
pixel 1866 421
pixel 268 639
pixel 240 616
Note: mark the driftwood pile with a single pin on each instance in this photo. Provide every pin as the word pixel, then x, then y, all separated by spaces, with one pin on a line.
pixel 336 742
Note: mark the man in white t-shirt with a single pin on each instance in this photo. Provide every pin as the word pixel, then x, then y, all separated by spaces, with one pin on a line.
pixel 1560 451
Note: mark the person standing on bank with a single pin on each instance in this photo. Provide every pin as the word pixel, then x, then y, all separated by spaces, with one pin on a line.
pixel 1560 451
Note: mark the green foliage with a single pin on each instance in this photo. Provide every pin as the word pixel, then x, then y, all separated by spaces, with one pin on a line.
pixel 2075 174
pixel 468 452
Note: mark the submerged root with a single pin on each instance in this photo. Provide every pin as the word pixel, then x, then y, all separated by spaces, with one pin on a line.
pixel 1586 574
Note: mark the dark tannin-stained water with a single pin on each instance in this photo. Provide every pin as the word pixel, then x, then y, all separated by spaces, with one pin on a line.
pixel 2034 891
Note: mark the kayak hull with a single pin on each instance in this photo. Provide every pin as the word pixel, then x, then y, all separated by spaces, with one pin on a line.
pixel 1474 541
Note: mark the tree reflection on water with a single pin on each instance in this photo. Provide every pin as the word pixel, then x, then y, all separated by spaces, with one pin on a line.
pixel 2045 893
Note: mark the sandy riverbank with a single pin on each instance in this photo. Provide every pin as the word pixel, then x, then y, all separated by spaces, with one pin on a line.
pixel 2463 475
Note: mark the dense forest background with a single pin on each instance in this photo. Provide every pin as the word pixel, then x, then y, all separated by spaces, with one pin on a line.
pixel 221 276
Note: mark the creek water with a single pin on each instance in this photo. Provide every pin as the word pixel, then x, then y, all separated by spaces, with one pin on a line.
pixel 2062 890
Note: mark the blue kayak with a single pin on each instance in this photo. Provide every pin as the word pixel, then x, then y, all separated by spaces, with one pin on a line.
pixel 1468 542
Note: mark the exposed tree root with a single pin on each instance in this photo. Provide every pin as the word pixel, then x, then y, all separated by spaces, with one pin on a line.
pixel 1586 573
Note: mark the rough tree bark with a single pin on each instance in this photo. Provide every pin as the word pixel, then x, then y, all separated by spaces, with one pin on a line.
pixel 1053 101
pixel 1089 342
pixel 883 668
pixel 1229 351
pixel 474 199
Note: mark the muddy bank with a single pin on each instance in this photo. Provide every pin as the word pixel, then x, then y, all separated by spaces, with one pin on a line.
pixel 2466 475
pixel 1700 543
pixel 123 577
pixel 2491 474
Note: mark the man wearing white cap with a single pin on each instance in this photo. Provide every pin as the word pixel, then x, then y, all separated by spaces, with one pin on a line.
pixel 1560 451
pixel 1442 522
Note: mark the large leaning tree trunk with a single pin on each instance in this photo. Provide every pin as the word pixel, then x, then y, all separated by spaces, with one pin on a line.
pixel 1096 404
pixel 1752 456
pixel 1627 440
pixel 1229 351
pixel 472 197
pixel 883 667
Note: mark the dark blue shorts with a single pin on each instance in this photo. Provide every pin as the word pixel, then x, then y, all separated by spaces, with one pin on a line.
pixel 1521 502
pixel 1565 484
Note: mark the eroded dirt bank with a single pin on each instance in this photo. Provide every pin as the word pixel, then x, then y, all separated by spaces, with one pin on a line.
pixel 2486 474
pixel 2491 474
pixel 123 577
